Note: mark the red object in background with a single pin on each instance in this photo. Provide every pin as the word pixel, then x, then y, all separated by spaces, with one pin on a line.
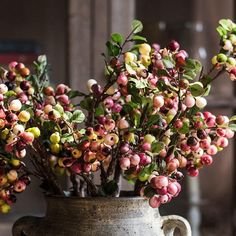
pixel 26 58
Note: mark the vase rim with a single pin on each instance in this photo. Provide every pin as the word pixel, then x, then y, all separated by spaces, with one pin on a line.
pixel 48 196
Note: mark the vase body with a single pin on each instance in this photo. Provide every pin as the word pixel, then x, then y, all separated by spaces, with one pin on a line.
pixel 100 217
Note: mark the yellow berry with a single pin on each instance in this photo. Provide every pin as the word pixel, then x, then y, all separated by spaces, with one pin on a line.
pixel 4 133
pixel 35 131
pixel 5 208
pixel 145 60
pixel 76 153
pixel 55 138
pixel 55 148
pixel 129 57
pixel 145 49
pixel 24 116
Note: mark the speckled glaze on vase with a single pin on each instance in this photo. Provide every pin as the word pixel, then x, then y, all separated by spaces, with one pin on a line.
pixel 100 217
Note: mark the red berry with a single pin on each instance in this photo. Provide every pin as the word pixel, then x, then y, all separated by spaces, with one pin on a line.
pixel 193 172
pixel 173 45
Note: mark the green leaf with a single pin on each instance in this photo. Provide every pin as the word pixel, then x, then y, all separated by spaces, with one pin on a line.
pixel 49 125
pixel 188 77
pixel 86 103
pixel 136 119
pixel 232 127
pixel 153 119
pixel 77 116
pixel 147 170
pixel 221 31
pixel 161 72
pixel 130 69
pixel 139 83
pixel 136 26
pixel 138 38
pixel 207 90
pixel 113 50
pixel 59 108
pixel 67 115
pixel 232 118
pixel 135 48
pixel 134 92
pixel 117 38
pixel 206 80
pixel 74 93
pixel 192 68
pixel 157 146
pixel 168 63
pixel 99 111
pixel 196 89
pixel 193 110
pixel 34 80
pixel 184 129
pixel 67 138
pixel 226 24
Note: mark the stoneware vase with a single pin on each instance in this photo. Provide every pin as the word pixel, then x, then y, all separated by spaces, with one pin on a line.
pixel 100 217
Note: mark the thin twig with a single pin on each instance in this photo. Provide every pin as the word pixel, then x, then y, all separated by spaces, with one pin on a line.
pixel 73 179
pixel 91 186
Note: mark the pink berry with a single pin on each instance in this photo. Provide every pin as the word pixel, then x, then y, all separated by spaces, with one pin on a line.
pixel 159 182
pixel 109 124
pixel 123 124
pixel 12 65
pixel 23 97
pixel 116 108
pixel 163 199
pixel 135 159
pixel 172 188
pixel 19 186
pixel 27 137
pixel 125 148
pixel 184 146
pixel 178 124
pixel 229 133
pixel 220 132
pixel 122 80
pixel 3 88
pixel 193 172
pixel 146 146
pixel 61 89
pixel 211 121
pixel 125 163
pixel 154 201
pixel 222 142
pixel 162 191
pixel 148 160
pixel 205 144
pixel 76 168
pixel 158 101
pixel 212 150
pixel 63 99
pixel 207 114
pixel 87 167
pixel 189 101
pixel 206 159
pixel 173 165
pixel 108 102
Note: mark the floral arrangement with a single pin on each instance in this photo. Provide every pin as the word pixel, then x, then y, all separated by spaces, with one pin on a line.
pixel 146 123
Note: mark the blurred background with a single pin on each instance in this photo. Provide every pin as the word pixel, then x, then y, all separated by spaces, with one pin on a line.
pixel 72 33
